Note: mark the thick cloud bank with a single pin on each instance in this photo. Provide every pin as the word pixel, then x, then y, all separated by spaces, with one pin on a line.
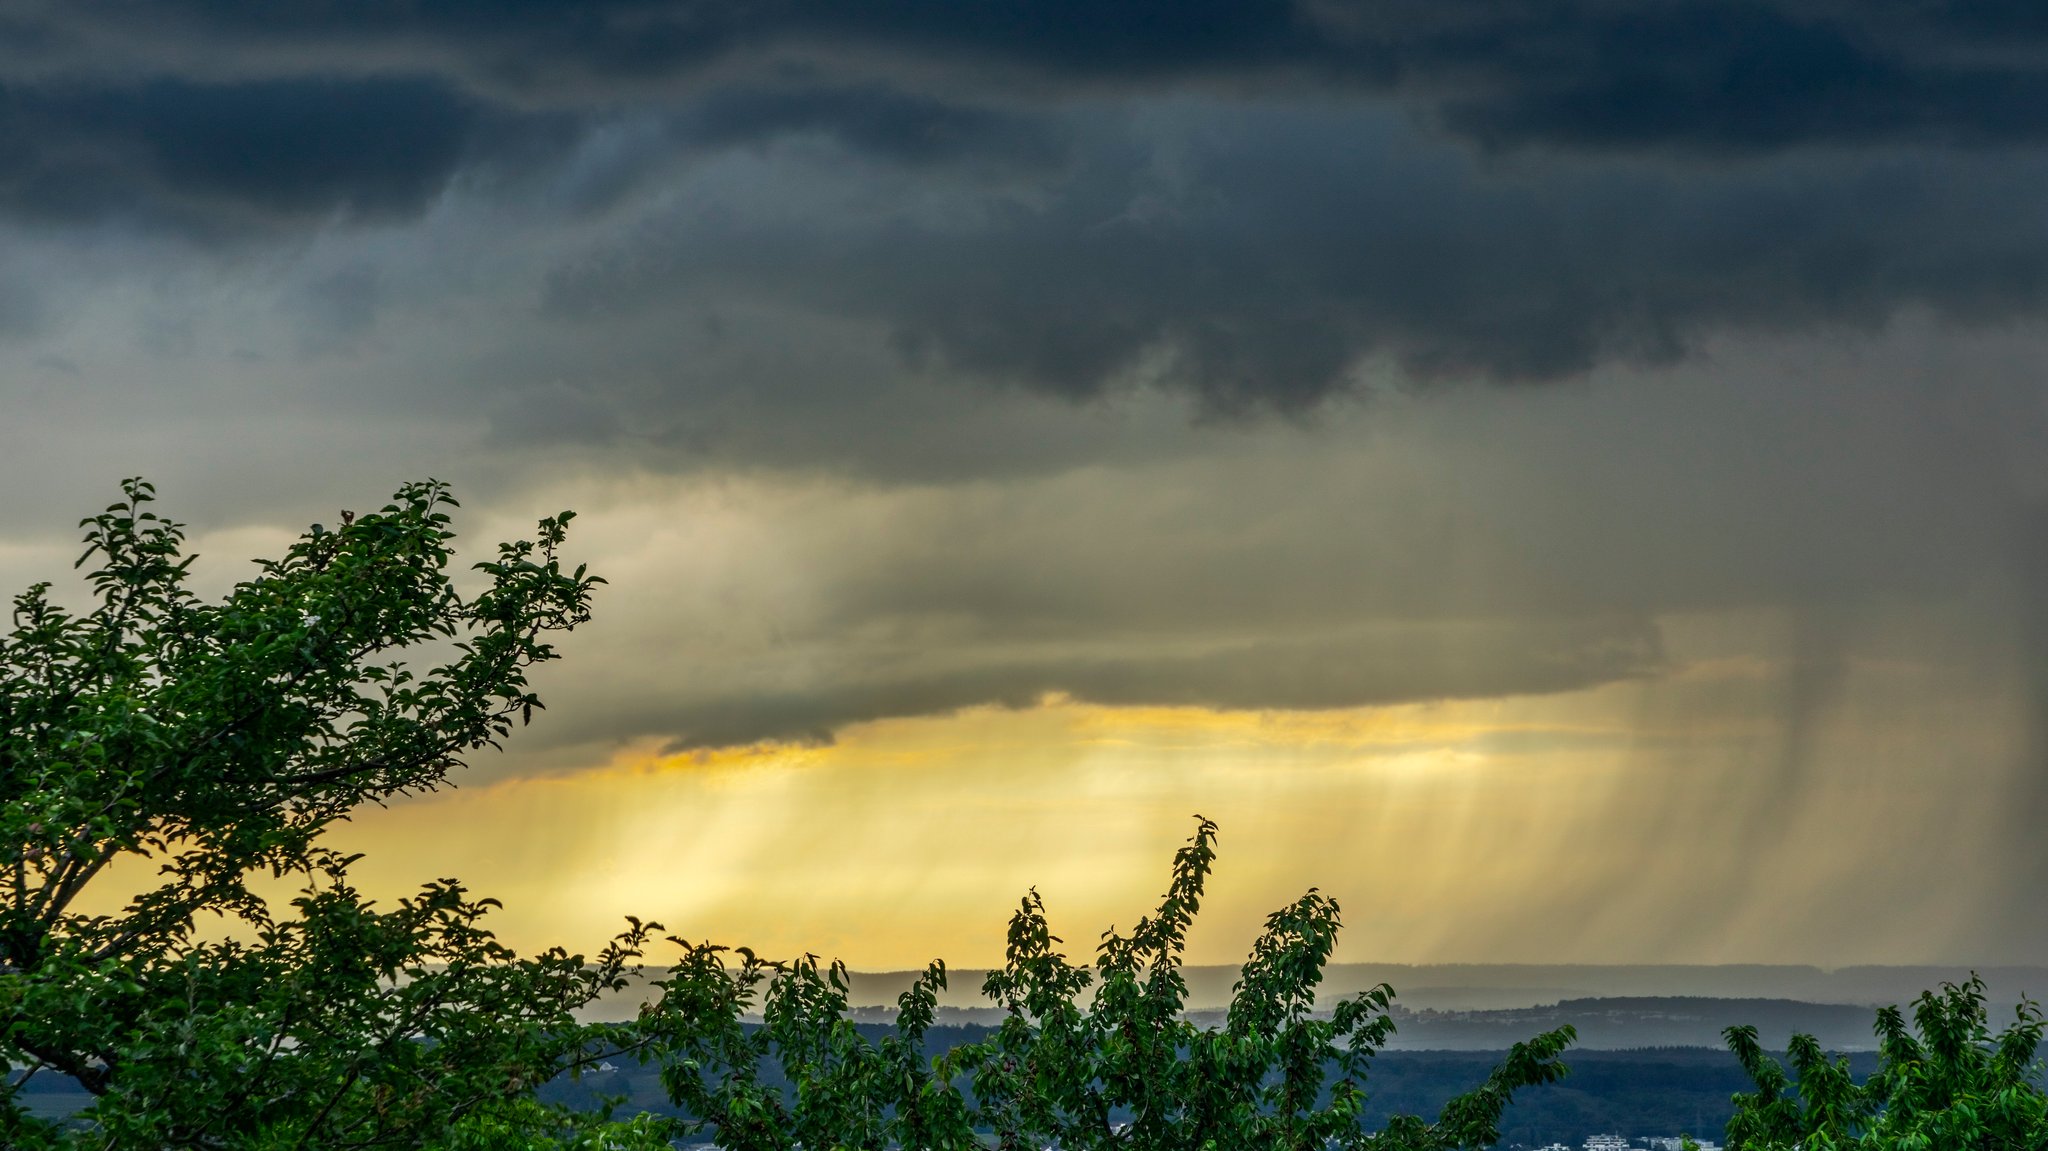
pixel 1252 202
pixel 1044 248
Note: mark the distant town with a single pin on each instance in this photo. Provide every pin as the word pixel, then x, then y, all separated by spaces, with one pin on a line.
pixel 1638 1143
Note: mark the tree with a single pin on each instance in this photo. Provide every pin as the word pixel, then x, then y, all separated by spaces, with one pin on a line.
pixel 219 741
pixel 1122 1067
pixel 1945 1084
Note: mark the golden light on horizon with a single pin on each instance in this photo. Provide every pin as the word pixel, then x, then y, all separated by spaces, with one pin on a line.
pixel 913 838
pixel 1541 827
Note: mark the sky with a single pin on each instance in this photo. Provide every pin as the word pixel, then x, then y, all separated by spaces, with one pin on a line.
pixel 1565 478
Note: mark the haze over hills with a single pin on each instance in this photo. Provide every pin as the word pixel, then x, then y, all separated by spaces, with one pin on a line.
pixel 1491 1006
pixel 1487 986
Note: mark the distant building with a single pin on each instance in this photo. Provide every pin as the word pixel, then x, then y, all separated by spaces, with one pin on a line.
pixel 1605 1143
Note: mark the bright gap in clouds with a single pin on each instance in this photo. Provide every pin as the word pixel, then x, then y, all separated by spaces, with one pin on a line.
pixel 1531 830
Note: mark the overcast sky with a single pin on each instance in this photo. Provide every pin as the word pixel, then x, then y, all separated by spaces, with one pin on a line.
pixel 1568 478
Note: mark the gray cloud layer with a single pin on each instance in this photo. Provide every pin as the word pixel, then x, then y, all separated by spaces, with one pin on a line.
pixel 1258 254
pixel 1691 74
pixel 1232 198
pixel 861 241
pixel 227 160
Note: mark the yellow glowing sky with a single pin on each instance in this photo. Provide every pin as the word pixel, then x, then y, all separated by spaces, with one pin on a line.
pixel 1569 828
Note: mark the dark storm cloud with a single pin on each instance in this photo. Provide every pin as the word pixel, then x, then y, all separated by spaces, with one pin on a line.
pixel 543 50
pixel 1239 199
pixel 1736 77
pixel 1689 74
pixel 1389 666
pixel 869 119
pixel 228 157
pixel 1255 254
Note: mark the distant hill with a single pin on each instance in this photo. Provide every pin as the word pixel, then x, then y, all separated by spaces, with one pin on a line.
pixel 1471 1007
pixel 1661 1091
pixel 1617 1024
pixel 1491 986
pixel 1640 1021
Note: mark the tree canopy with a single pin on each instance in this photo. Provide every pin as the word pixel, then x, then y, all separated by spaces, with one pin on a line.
pixel 1945 1083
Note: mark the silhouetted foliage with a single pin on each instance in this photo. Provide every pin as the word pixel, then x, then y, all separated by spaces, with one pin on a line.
pixel 1945 1084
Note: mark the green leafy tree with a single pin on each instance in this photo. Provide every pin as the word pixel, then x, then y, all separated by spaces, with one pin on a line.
pixel 1944 1084
pixel 217 741
pixel 843 1090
